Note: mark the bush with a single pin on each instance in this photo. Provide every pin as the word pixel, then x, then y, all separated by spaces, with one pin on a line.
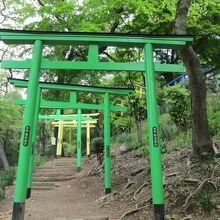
pixel 211 85
pixel 130 140
pixel 143 151
pixel 178 101
pixel 97 145
pixel 213 108
pixel 6 179
pixel 122 138
pixel 7 176
pixel 122 124
pixel 69 149
pixel 168 129
pixel 205 200
pixel 2 194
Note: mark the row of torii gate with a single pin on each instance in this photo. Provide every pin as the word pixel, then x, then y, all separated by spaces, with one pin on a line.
pixel 87 122
pixel 93 41
pixel 80 118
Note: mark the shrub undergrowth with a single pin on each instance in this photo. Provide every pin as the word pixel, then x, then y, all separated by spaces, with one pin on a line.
pixel 6 179
pixel 40 160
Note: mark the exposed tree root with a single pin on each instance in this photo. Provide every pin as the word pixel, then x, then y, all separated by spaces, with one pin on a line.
pixel 131 212
pixel 129 183
pixel 139 189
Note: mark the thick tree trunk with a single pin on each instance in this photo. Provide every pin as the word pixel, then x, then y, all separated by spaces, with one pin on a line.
pixel 3 157
pixel 201 140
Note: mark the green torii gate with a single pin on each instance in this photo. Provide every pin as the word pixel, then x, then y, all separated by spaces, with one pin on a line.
pixel 93 40
pixel 73 104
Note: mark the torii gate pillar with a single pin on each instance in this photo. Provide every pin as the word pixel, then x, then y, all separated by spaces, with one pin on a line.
pixel 153 134
pixel 26 137
pixel 107 147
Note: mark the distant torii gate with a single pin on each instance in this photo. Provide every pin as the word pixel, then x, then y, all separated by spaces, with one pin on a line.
pixel 72 119
pixel 93 40
pixel 88 125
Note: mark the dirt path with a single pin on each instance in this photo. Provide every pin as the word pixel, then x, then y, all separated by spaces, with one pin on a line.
pixel 78 198
pixel 69 200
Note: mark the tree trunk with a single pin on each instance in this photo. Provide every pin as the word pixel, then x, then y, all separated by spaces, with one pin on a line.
pixel 3 157
pixel 201 140
pixel 43 141
pixel 98 130
pixel 139 130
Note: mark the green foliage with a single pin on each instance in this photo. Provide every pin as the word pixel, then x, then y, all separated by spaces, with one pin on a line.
pixel 10 126
pixel 143 151
pixel 44 137
pixel 167 128
pixel 204 19
pixel 123 138
pixel 211 85
pixel 121 123
pixel 40 160
pixel 69 149
pixel 97 145
pixel 6 179
pixel 136 103
pixel 135 16
pixel 173 138
pixel 205 200
pixel 178 101
pixel 213 108
pixel 132 141
pixel 214 123
pixel 2 194
pixel 179 141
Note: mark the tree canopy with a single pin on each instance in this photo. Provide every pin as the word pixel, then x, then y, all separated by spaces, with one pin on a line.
pixel 130 16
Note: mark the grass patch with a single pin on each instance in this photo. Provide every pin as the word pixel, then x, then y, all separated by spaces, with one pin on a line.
pixel 206 201
pixel 143 151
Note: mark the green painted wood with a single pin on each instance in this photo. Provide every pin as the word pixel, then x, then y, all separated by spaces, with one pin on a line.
pixel 153 129
pixel 122 40
pixel 23 84
pixel 79 141
pixel 69 105
pixel 93 54
pixel 34 140
pixel 91 65
pixel 63 117
pixel 107 144
pixel 73 97
pixel 27 128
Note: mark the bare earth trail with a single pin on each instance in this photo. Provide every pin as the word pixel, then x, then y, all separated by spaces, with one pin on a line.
pixel 80 197
pixel 60 193
pixel 68 199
